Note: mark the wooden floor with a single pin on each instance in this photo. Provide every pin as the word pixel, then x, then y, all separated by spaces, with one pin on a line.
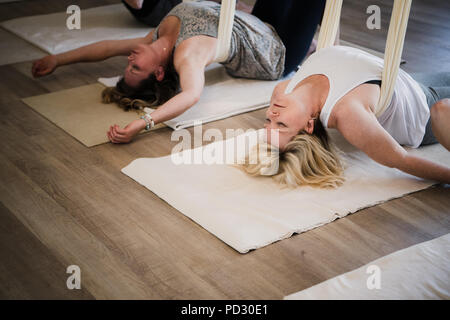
pixel 64 204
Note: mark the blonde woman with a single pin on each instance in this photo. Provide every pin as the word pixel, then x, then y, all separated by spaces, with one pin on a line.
pixel 339 87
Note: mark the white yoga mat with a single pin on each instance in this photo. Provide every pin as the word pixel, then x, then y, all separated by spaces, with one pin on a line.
pixel 420 272
pixel 50 33
pixel 222 97
pixel 14 49
pixel 249 213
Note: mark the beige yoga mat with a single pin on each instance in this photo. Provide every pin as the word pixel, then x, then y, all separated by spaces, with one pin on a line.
pixel 420 272
pixel 80 112
pixel 252 212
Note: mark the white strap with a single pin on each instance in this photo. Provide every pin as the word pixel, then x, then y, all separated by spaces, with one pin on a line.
pixel 330 24
pixel 226 21
pixel 393 52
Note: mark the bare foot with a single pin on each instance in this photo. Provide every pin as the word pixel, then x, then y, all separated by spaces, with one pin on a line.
pixel 312 47
pixel 244 7
pixel 135 4
pixel 240 6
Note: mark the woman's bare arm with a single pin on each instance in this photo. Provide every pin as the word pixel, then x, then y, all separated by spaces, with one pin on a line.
pixel 94 52
pixel 361 128
pixel 192 81
pixel 101 50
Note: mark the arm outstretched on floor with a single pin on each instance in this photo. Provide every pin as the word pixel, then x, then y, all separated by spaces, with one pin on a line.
pixel 192 81
pixel 98 51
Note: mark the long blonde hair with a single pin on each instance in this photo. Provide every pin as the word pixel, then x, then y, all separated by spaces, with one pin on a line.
pixel 308 159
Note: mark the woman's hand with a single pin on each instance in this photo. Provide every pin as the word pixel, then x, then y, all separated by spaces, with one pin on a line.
pixel 44 66
pixel 125 135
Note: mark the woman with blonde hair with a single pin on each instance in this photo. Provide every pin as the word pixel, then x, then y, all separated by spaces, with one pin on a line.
pixel 339 87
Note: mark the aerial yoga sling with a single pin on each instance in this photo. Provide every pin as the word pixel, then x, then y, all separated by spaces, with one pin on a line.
pixel 225 29
pixel 393 50
pixel 329 27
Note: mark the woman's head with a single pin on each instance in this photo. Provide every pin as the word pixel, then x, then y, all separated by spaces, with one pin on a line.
pixel 289 114
pixel 142 62
pixel 302 148
pixel 145 82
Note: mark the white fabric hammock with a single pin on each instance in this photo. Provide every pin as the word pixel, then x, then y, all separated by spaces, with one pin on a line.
pixel 226 21
pixel 393 50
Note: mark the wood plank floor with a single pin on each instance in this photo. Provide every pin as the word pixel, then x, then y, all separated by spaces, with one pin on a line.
pixel 64 204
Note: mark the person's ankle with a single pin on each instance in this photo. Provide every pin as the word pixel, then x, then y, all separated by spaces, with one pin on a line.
pixel 312 47
pixel 244 7
pixel 135 4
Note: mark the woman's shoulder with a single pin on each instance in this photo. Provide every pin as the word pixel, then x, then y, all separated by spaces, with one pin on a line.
pixel 362 98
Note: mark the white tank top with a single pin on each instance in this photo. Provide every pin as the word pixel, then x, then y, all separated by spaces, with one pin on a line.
pixel 346 68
